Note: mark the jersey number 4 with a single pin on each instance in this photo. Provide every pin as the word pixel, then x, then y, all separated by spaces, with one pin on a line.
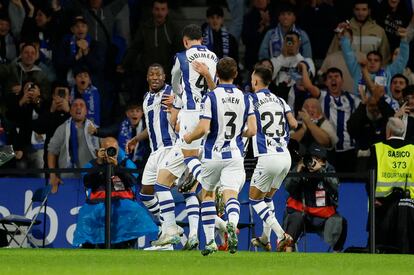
pixel 201 83
pixel 269 129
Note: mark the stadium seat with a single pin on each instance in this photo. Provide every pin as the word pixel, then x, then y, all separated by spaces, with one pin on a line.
pixel 20 224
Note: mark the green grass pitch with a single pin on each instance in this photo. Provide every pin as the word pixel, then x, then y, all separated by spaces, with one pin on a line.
pixel 76 261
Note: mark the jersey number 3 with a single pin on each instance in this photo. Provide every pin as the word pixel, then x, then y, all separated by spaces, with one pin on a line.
pixel 230 125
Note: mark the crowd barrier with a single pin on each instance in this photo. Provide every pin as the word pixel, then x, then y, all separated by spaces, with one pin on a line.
pixel 59 221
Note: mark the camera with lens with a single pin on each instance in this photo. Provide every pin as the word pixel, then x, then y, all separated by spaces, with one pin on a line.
pixel 111 151
pixel 309 161
pixel 289 40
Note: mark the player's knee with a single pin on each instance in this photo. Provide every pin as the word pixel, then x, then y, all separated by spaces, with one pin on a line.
pixel 165 177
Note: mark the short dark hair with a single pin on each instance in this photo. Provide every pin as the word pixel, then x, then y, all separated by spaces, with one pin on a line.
pixel 159 1
pixel 333 70
pixel 133 105
pixel 227 68
pixel 375 52
pixel 193 32
pixel 400 76
pixel 27 44
pixel 214 10
pixel 286 7
pixel 264 73
pixel 156 65
pixel 62 84
pixel 356 2
pixel 293 33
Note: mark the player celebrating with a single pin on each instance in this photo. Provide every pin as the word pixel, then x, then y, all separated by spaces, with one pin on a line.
pixel 225 114
pixel 160 132
pixel 270 146
pixel 192 85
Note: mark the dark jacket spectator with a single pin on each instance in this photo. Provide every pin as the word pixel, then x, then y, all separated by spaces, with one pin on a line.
pixel 8 46
pixel 216 37
pixel 14 75
pixel 80 50
pixel 318 19
pixel 393 15
pixel 256 23
pixel 156 41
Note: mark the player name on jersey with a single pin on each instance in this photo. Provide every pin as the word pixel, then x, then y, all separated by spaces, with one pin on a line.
pixel 265 100
pixel 196 55
pixel 230 99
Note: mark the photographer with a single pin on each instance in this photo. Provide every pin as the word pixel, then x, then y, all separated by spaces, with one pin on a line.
pixel 312 202
pixel 129 220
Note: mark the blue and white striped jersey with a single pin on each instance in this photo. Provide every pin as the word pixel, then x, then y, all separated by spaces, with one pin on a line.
pixel 272 126
pixel 161 134
pixel 186 81
pixel 228 109
pixel 338 110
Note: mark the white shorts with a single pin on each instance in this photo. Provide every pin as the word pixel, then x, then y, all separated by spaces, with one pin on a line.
pixel 229 174
pixel 174 161
pixel 149 176
pixel 270 171
pixel 188 122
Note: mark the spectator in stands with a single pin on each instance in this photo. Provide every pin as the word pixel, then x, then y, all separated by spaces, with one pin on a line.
pixel 15 74
pixel 398 84
pixel 130 220
pixel 273 41
pixel 236 9
pixel 406 113
pixel 57 114
pixel 286 70
pixel 314 127
pixel 8 46
pixel 40 26
pixel 367 127
pixel 17 14
pixel 22 110
pixel 368 36
pixel 156 41
pixel 102 19
pixel 336 59
pixel 312 202
pixel 132 125
pixel 337 106
pixel 407 71
pixel 71 145
pixel 393 14
pixel 84 89
pixel 380 75
pixel 394 165
pixel 318 18
pixel 80 50
pixel 216 37
pixel 256 23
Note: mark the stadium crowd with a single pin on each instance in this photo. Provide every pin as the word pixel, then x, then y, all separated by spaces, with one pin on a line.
pixel 342 68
